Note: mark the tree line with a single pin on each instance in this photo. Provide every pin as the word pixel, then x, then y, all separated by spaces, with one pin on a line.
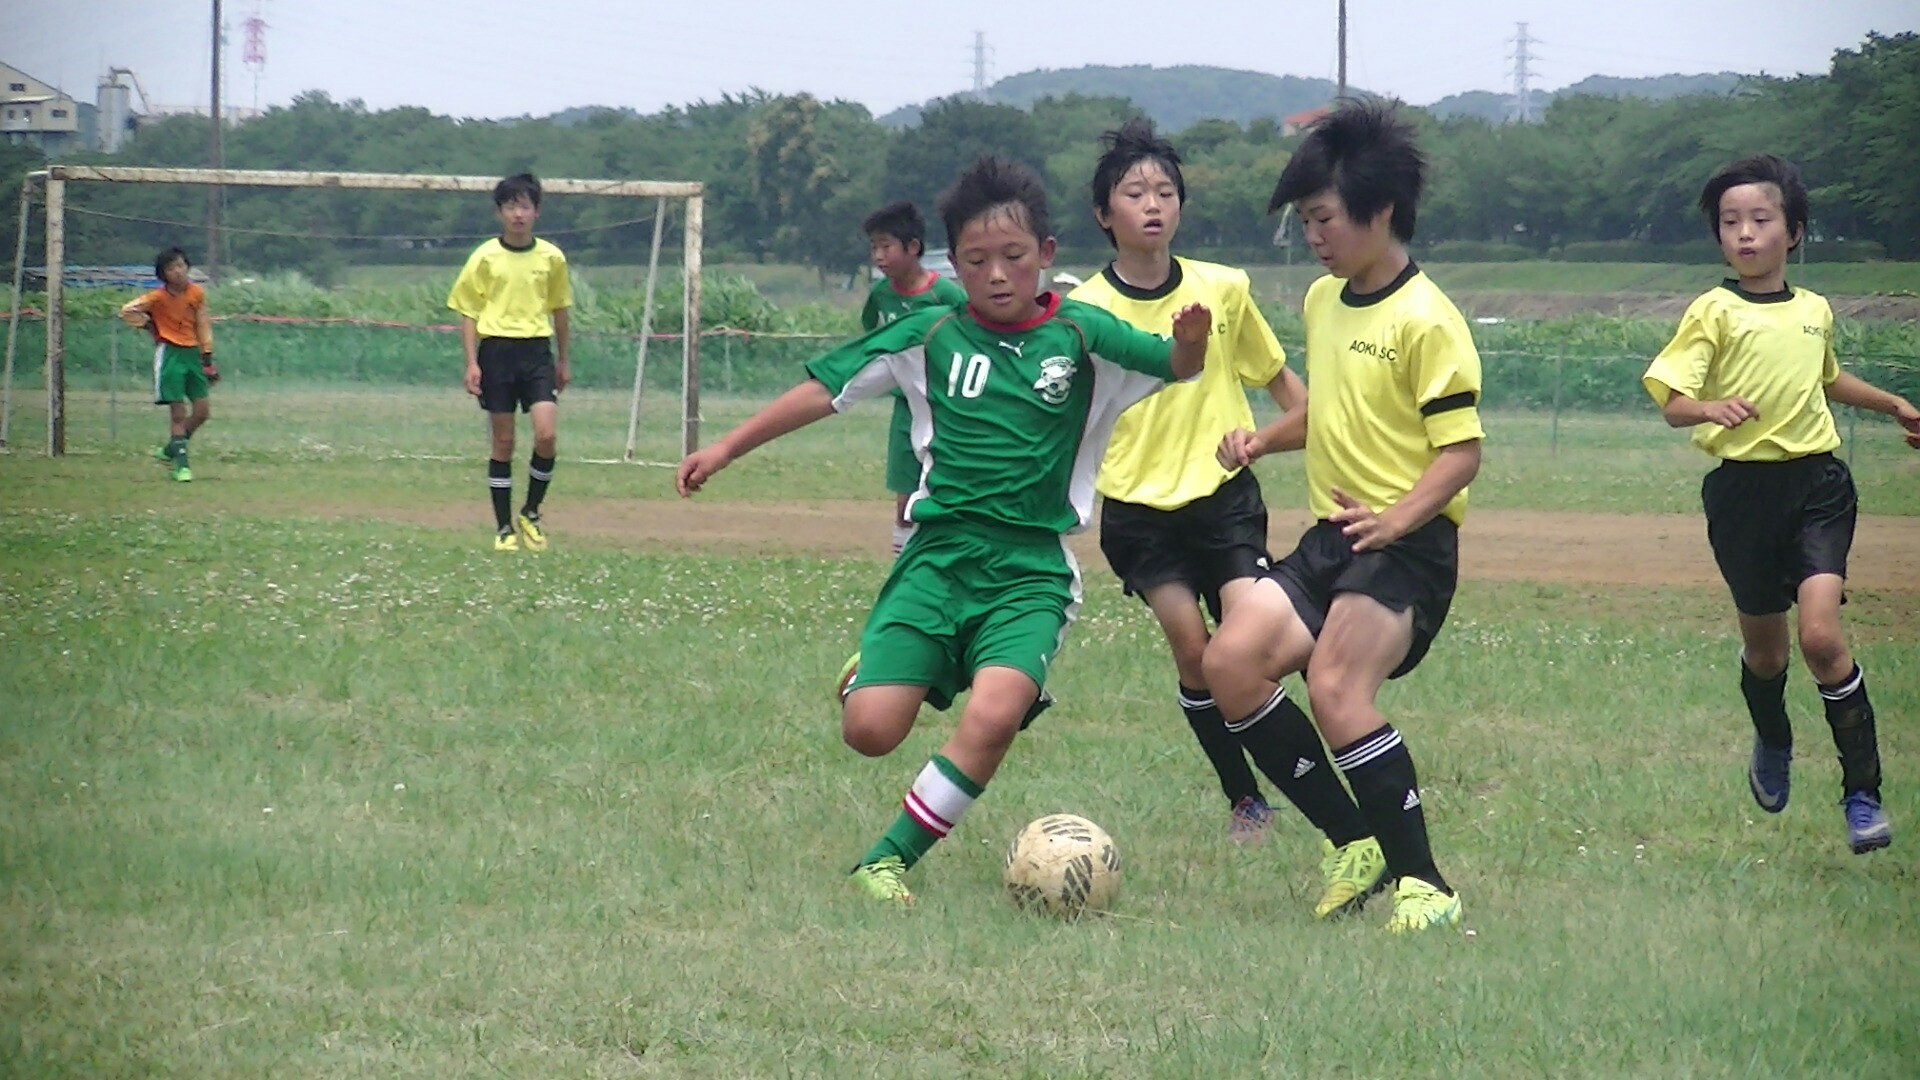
pixel 789 177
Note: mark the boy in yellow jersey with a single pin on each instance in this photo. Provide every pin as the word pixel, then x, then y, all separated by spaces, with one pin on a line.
pixel 1392 435
pixel 513 296
pixel 1751 370
pixel 183 369
pixel 1179 528
pixel 1012 396
pixel 896 238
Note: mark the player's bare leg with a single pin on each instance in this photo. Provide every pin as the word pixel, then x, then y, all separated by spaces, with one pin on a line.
pixel 1362 642
pixel 1177 610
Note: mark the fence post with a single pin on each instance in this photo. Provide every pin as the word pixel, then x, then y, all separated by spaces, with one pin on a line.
pixel 726 361
pixel 1554 438
pixel 113 381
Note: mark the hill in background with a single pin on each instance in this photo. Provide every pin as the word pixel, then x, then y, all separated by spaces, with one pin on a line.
pixel 1176 97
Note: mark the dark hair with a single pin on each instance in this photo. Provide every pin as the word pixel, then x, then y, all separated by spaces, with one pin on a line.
pixel 900 220
pixel 1133 143
pixel 991 183
pixel 519 185
pixel 1364 151
pixel 1760 169
pixel 165 259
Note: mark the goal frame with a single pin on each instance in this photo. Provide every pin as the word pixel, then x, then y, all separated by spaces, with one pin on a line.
pixel 55 179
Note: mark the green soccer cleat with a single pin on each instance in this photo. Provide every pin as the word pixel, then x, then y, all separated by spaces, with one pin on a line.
pixel 1419 906
pixel 882 880
pixel 1352 874
pixel 532 538
pixel 160 455
pixel 182 474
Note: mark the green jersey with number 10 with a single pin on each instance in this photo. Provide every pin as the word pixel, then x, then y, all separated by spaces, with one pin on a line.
pixel 1009 422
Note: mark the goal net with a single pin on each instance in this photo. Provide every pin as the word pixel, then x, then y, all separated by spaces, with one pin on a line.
pixel 369 368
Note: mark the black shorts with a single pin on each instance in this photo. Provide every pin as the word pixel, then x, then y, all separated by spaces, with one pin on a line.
pixel 1417 571
pixel 1774 524
pixel 1203 545
pixel 515 371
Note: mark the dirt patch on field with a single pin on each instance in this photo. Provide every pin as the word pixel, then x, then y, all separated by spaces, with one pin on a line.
pixel 1666 306
pixel 1647 550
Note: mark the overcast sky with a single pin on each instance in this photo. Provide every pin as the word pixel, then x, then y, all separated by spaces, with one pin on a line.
pixel 488 58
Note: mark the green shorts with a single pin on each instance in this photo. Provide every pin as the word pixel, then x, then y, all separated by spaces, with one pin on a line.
pixel 903 468
pixel 966 596
pixel 177 375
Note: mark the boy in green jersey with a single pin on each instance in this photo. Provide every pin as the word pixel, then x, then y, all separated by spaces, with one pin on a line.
pixel 1751 370
pixel 1012 399
pixel 896 239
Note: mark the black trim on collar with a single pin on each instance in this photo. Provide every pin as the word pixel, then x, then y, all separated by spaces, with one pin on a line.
pixel 1785 294
pixel 510 247
pixel 1135 292
pixel 1354 299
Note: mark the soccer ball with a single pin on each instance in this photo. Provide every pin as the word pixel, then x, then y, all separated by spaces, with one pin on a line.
pixel 1063 865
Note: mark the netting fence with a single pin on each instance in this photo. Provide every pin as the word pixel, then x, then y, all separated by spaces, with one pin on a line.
pixel 345 387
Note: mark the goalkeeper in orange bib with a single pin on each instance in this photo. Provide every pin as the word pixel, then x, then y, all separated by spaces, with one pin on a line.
pixel 183 369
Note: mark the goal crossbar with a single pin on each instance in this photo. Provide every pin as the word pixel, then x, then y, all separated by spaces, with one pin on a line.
pixel 55 178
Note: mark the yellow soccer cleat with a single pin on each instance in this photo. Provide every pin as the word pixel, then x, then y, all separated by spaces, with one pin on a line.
pixel 1419 906
pixel 883 880
pixel 182 474
pixel 506 541
pixel 531 536
pixel 1352 874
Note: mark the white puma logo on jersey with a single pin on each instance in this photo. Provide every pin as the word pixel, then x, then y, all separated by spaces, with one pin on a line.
pixel 1016 349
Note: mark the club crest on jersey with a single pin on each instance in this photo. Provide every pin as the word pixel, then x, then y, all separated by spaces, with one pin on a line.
pixel 1056 380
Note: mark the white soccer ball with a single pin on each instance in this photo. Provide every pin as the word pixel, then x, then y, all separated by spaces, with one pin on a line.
pixel 1064 865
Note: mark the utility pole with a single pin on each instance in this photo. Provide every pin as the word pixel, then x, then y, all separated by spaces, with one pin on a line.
pixel 1520 110
pixel 979 65
pixel 1340 88
pixel 213 156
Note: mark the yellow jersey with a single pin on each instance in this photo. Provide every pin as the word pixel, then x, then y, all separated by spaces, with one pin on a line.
pixel 1775 350
pixel 1392 378
pixel 1161 452
pixel 512 293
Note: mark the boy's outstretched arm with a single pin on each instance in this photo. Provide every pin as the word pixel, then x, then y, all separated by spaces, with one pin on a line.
pixel 1851 389
pixel 791 411
pixel 1191 325
pixel 1450 472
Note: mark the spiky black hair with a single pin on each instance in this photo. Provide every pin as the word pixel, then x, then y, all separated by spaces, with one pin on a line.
pixel 1366 152
pixel 165 259
pixel 989 184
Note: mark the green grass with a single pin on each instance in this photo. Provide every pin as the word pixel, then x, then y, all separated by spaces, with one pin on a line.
pixel 290 797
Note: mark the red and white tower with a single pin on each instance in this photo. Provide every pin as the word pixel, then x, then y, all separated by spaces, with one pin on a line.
pixel 255 56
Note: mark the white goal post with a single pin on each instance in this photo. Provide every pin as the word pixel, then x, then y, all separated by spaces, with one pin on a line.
pixel 57 177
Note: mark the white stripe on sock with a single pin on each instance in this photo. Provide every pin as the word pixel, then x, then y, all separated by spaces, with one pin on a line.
pixel 1367 751
pixel 936 802
pixel 500 482
pixel 538 475
pixel 1193 703
pixel 1261 713
pixel 1845 688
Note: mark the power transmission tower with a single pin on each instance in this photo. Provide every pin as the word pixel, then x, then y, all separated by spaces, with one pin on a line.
pixel 1340 88
pixel 980 65
pixel 1520 108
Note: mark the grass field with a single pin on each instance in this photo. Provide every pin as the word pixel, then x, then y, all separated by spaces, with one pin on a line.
pixel 302 782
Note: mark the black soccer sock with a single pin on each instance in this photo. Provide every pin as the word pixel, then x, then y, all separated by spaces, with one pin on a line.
pixel 1222 749
pixel 1767 704
pixel 539 475
pixel 1285 745
pixel 500 483
pixel 1850 715
pixel 1381 772
pixel 177 449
